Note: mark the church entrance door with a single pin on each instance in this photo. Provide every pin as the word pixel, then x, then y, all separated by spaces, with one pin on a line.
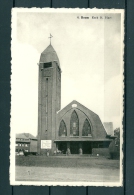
pixel 74 147
pixel 62 146
pixel 87 149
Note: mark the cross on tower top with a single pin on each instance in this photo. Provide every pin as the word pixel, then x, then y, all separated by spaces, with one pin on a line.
pixel 50 38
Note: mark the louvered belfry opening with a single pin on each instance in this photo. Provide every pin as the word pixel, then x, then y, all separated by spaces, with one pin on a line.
pixel 74 124
pixel 86 131
pixel 62 129
pixel 48 65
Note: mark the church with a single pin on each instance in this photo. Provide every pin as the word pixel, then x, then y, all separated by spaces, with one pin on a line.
pixel 74 129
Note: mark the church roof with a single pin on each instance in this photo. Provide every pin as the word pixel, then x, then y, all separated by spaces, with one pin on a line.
pixel 25 136
pixel 75 104
pixel 49 55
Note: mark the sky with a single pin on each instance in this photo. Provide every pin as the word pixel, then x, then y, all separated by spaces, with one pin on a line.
pixel 89 51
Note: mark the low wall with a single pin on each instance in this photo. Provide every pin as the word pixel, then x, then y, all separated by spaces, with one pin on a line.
pixel 100 151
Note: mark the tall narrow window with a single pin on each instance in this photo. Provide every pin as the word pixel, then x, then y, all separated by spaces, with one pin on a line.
pixel 86 131
pixel 74 124
pixel 46 91
pixel 62 129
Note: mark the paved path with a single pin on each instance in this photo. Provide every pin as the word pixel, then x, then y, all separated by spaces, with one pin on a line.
pixel 25 173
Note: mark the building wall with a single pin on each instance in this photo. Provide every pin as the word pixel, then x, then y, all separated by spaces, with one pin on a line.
pixel 101 152
pixel 97 129
pixel 82 117
pixel 109 128
pixel 33 146
pixel 29 146
pixel 22 146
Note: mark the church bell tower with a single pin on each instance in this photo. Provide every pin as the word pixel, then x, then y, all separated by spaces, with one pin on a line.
pixel 49 99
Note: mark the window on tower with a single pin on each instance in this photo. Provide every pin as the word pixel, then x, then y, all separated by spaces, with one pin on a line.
pixel 47 65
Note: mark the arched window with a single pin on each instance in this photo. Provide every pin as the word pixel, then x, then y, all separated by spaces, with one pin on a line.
pixel 62 129
pixel 74 124
pixel 86 131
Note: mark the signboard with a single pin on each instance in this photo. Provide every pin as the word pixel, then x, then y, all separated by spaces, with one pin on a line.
pixel 46 144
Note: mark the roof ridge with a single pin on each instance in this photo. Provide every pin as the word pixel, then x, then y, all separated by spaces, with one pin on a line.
pixel 49 55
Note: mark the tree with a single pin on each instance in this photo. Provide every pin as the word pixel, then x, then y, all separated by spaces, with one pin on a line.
pixel 117 140
pixel 114 147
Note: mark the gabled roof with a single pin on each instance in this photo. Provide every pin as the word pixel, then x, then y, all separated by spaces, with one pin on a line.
pixel 49 55
pixel 77 104
pixel 25 136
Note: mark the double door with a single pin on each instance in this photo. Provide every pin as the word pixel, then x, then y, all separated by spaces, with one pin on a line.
pixel 74 147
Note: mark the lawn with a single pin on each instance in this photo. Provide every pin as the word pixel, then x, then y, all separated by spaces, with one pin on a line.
pixel 66 161
pixel 88 169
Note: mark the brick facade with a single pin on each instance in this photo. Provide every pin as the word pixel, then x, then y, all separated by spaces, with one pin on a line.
pixel 49 97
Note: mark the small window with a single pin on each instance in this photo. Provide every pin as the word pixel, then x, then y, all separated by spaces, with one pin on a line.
pixel 47 65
